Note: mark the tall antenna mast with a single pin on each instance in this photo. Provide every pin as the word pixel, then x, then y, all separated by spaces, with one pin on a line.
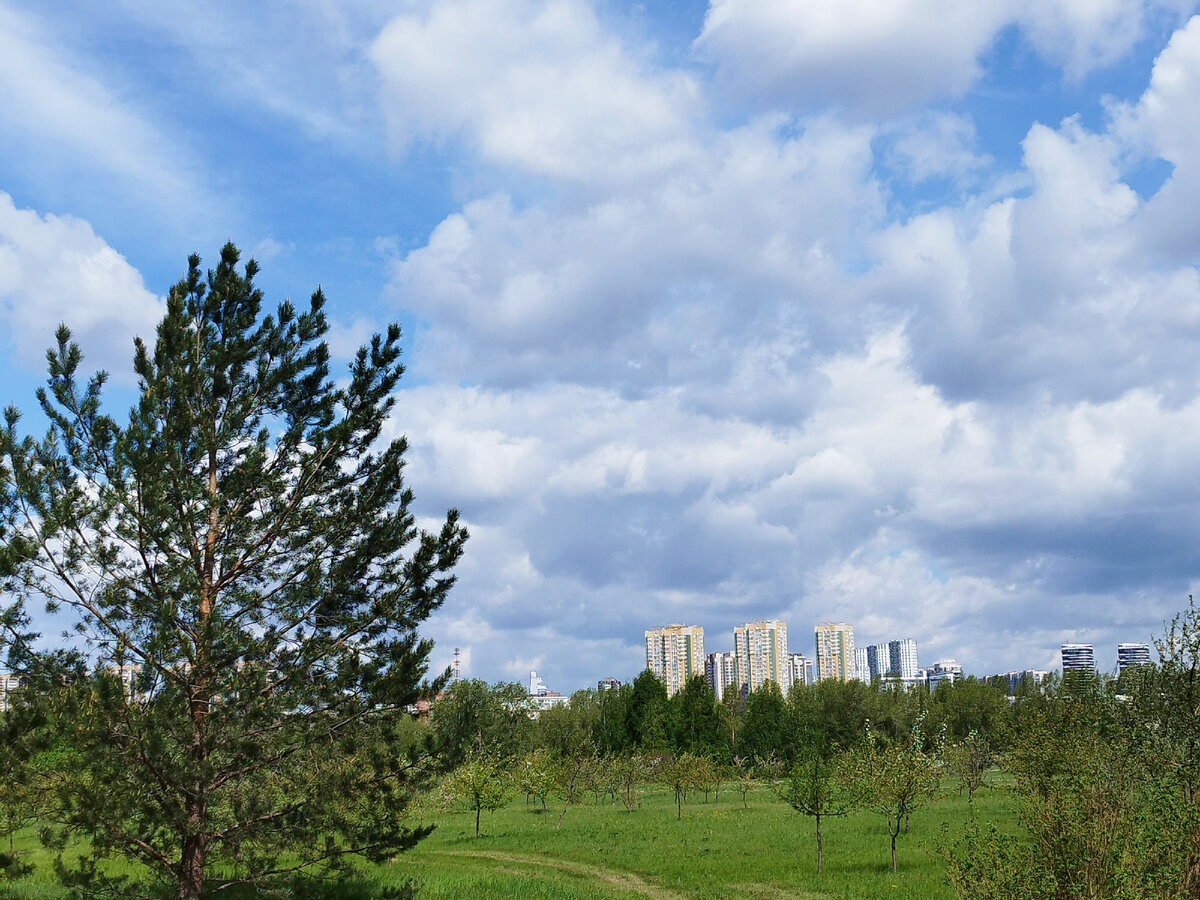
pixel 457 664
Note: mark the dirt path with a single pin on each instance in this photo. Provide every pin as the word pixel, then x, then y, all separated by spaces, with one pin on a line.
pixel 626 881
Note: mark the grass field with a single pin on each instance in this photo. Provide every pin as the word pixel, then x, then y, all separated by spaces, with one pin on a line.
pixel 718 849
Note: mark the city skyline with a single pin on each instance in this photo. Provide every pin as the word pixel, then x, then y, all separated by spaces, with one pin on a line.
pixel 875 313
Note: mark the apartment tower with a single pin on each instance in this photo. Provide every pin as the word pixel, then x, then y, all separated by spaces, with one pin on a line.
pixel 674 654
pixel 1132 655
pixel 1078 658
pixel 721 671
pixel 835 651
pixel 761 651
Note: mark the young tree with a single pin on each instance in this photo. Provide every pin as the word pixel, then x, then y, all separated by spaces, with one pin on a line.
pixel 571 778
pixel 482 784
pixel 812 789
pixel 243 545
pixel 969 761
pixel 628 771
pixel 894 780
pixel 534 774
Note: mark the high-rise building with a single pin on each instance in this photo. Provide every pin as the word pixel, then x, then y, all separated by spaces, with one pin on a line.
pixel 942 670
pixel 1132 655
pixel 1078 658
pixel 674 654
pixel 608 684
pixel 720 670
pixel 761 651
pixel 877 662
pixel 835 651
pixel 800 668
pixel 862 665
pixel 902 659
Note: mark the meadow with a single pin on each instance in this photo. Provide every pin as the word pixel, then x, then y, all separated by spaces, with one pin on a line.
pixel 719 848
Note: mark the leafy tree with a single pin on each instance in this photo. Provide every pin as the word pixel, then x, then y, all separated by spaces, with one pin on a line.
pixel 647 714
pixel 745 778
pixel 967 706
pixel 893 779
pixel 572 778
pixel 475 718
pixel 683 773
pixel 845 710
pixel 482 784
pixel 764 730
pixel 243 542
pixel 534 774
pixel 697 728
pixel 610 727
pixel 812 789
pixel 568 729
pixel 628 771
pixel 969 761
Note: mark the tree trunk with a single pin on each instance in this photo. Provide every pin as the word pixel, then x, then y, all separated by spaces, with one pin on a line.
pixel 820 847
pixel 894 833
pixel 191 866
pixel 478 810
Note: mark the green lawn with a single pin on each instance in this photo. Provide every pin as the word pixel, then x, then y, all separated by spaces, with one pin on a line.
pixel 716 850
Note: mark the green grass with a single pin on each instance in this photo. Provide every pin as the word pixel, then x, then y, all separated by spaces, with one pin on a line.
pixel 716 850
pixel 720 849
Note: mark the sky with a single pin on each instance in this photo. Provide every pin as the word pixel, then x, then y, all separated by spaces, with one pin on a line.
pixel 822 310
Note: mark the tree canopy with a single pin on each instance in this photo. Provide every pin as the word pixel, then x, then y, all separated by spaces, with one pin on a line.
pixel 243 550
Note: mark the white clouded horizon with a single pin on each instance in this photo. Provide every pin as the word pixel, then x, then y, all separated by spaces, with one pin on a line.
pixel 775 325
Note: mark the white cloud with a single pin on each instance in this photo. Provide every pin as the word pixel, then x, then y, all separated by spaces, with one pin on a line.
pixel 56 269
pixel 61 109
pixel 1164 125
pixel 880 58
pixel 632 288
pixel 934 145
pixel 866 55
pixel 538 86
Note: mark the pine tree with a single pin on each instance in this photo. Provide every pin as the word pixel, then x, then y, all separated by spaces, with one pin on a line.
pixel 244 546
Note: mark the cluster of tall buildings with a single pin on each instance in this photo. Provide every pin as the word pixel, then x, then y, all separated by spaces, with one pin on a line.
pixel 1082 657
pixel 675 653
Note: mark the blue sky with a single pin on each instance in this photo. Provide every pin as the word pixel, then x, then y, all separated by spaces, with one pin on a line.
pixel 878 313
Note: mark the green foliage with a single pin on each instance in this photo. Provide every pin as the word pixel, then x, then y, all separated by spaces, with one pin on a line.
pixel 969 761
pixel 694 715
pixel 481 783
pixel 242 542
pixel 1107 788
pixel 647 714
pixel 764 731
pixel 969 706
pixel 813 788
pixel 474 718
pixel 893 779
pixel 535 774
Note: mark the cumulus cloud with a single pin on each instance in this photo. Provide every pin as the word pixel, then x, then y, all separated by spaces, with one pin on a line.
pixel 877 58
pixel 56 269
pixel 533 85
pixel 1162 125
pixel 723 272
pixel 864 55
pixel 749 388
